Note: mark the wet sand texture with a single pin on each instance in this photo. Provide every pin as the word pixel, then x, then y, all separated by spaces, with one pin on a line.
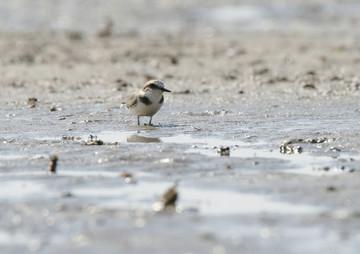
pixel 256 150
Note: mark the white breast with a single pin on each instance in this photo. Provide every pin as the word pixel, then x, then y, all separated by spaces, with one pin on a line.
pixel 142 109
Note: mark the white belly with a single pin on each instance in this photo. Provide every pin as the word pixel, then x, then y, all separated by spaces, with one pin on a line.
pixel 142 109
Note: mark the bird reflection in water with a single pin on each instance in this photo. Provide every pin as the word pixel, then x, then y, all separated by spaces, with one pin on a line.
pixel 136 138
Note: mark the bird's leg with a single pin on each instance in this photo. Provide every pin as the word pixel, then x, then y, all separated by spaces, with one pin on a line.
pixel 138 120
pixel 150 120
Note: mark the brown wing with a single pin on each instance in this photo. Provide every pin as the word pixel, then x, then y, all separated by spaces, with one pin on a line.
pixel 132 101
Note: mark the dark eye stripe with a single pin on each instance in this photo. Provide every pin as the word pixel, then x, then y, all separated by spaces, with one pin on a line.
pixel 153 86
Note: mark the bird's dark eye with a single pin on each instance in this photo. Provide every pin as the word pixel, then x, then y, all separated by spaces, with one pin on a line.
pixel 153 86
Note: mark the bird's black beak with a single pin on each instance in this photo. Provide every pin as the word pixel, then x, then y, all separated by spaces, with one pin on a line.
pixel 165 90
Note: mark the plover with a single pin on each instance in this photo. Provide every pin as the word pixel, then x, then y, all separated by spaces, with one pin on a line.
pixel 148 100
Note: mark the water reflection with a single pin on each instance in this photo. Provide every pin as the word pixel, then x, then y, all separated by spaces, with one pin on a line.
pixel 136 138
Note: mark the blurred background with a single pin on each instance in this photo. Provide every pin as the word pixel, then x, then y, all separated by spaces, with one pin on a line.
pixel 180 16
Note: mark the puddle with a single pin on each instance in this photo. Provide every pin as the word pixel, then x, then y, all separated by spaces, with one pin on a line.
pixel 145 137
pixel 222 202
pixel 11 157
pixel 207 202
pixel 8 238
pixel 136 138
pixel 141 196
pixel 20 190
pixel 299 163
pixel 69 173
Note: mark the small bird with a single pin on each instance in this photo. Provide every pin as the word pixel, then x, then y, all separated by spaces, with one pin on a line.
pixel 148 100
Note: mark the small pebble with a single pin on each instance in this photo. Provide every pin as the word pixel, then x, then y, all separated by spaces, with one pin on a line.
pixel 67 195
pixel 95 143
pixel 32 102
pixel 335 149
pixel 167 201
pixel 331 188
pixel 227 167
pixel 129 178
pixel 52 163
pixel 290 149
pixel 224 151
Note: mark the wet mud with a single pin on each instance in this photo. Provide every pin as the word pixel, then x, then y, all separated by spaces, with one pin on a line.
pixel 256 150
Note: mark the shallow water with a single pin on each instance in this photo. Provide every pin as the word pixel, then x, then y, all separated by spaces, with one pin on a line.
pixel 141 196
pixel 268 193
pixel 299 163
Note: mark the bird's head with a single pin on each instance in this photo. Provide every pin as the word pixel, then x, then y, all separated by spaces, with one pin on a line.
pixel 154 85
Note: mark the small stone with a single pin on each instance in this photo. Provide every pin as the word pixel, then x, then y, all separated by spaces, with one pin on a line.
pixel 227 167
pixel 52 163
pixel 32 100
pixel 335 149
pixel 311 72
pixel 112 143
pixel 67 138
pixel 326 169
pixel 224 151
pixel 331 188
pixel 95 143
pixel 129 178
pixel 186 91
pixel 290 149
pixel 67 195
pixel 167 201
pixel 120 84
pixel 309 86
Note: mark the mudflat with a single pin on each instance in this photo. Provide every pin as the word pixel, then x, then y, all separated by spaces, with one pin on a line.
pixel 284 105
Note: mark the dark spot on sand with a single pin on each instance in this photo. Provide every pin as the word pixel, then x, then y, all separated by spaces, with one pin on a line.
pixel 187 91
pixel 32 102
pixel 167 201
pixel 53 163
pixel 331 189
pixel 290 149
pixel 224 151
